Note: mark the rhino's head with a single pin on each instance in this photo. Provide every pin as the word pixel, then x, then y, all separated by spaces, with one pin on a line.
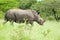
pixel 40 20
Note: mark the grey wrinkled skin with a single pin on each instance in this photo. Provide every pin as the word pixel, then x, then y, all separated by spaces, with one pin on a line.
pixel 19 15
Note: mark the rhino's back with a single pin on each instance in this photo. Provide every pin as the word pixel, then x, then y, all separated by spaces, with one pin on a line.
pixel 20 14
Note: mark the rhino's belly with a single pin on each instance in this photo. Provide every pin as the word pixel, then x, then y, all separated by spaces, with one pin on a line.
pixel 22 16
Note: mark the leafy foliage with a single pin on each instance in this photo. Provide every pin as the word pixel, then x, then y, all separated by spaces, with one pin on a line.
pixel 47 8
pixel 8 4
pixel 1 14
pixel 26 4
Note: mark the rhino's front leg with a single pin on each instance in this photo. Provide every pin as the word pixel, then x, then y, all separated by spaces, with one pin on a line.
pixel 31 22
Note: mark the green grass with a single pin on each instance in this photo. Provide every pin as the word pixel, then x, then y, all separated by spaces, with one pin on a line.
pixel 49 31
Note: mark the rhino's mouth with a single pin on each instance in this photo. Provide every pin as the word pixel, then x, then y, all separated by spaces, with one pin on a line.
pixel 41 21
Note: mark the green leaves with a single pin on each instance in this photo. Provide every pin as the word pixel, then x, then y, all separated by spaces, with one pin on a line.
pixel 8 4
pixel 26 4
pixel 45 8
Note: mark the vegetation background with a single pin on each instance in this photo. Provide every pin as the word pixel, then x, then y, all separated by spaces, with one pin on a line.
pixel 47 9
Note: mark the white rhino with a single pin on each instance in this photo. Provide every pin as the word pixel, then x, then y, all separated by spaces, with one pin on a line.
pixel 20 15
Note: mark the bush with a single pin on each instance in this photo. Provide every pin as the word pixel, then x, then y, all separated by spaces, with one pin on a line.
pixel 45 9
pixel 26 4
pixel 8 4
pixel 1 14
pixel 40 8
pixel 50 18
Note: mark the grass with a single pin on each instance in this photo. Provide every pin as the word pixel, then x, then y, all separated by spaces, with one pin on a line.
pixel 49 31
